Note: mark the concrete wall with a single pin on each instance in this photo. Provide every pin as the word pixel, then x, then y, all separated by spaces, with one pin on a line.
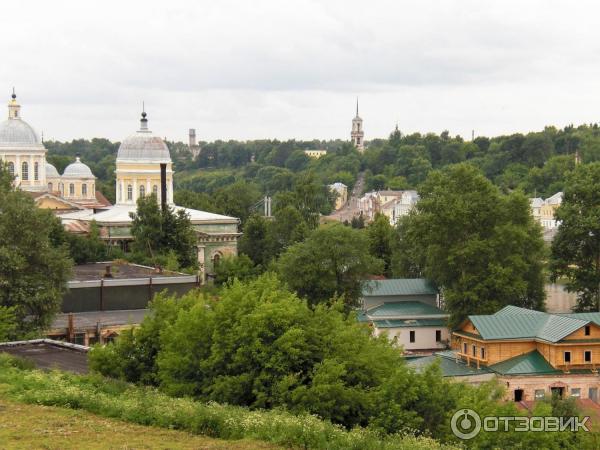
pixel 424 337
pixel 529 384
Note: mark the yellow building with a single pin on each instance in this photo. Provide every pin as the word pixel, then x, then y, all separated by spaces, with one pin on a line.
pixel 315 153
pixel 138 166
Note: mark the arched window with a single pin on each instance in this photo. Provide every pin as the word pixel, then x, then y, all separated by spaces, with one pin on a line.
pixel 71 189
pixel 49 187
pixel 36 171
pixel 24 172
pixel 142 191
pixel 93 188
pixel 155 190
pixel 216 260
pixel 129 192
pixel 11 169
pixel 84 189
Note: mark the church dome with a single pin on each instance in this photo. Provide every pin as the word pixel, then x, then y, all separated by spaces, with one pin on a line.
pixel 16 132
pixel 51 171
pixel 77 170
pixel 144 146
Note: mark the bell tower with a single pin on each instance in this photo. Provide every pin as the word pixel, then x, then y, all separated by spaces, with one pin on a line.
pixel 357 135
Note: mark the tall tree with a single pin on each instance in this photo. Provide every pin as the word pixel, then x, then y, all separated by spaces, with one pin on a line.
pixel 157 232
pixel 576 246
pixel 33 270
pixel 483 248
pixel 380 235
pixel 333 260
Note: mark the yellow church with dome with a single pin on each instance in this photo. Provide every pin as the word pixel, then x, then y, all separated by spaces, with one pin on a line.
pixel 22 150
pixel 74 199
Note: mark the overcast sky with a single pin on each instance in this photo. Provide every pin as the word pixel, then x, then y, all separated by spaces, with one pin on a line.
pixel 293 69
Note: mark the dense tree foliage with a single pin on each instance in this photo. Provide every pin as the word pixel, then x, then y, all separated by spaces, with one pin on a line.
pixel 333 261
pixel 33 268
pixel 481 247
pixel 576 247
pixel 261 346
pixel 158 233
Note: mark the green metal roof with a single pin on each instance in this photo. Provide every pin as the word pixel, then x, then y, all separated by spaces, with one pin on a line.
pixel 400 310
pixel 589 316
pixel 399 286
pixel 448 364
pixel 410 323
pixel 532 363
pixel 513 322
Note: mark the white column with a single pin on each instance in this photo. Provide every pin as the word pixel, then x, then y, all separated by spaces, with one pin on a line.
pixel 120 193
pixel 148 189
pixel 170 191
pixel 135 191
pixel 31 171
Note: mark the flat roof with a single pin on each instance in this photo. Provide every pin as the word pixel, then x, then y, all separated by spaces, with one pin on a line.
pixel 96 271
pixel 47 354
pixel 91 319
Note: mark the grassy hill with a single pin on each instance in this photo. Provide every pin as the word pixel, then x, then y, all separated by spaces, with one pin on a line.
pixel 25 426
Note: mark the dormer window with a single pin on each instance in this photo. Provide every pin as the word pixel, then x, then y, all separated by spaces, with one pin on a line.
pixel 587 330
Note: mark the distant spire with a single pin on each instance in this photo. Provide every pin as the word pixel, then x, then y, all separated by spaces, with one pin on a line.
pixel 14 96
pixel 356 106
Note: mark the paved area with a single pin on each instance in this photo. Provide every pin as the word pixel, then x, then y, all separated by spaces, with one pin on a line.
pixel 96 271
pixel 48 356
pixel 350 209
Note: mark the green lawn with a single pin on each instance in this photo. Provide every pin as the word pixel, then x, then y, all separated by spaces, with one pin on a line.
pixel 24 426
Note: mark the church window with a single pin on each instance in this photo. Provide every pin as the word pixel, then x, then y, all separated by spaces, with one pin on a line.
pixel 216 260
pixel 36 171
pixel 11 169
pixel 129 192
pixel 84 189
pixel 71 189
pixel 24 171
pixel 49 187
pixel 142 191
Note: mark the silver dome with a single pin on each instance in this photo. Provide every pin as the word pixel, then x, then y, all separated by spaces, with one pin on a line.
pixel 144 146
pixel 77 170
pixel 16 132
pixel 51 171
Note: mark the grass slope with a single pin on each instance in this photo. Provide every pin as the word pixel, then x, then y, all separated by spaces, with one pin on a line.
pixel 31 427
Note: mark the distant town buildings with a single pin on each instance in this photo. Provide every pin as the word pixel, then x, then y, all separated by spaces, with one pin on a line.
pixel 341 190
pixel 357 134
pixel 315 153
pixel 408 311
pixel 543 211
pixel 393 204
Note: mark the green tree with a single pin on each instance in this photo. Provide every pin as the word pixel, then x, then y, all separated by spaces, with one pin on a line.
pixel 333 261
pixel 254 241
pixel 235 267
pixel 481 247
pixel 380 235
pixel 576 246
pixel 33 270
pixel 158 232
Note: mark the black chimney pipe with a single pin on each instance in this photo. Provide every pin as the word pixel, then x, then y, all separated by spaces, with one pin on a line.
pixel 163 186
